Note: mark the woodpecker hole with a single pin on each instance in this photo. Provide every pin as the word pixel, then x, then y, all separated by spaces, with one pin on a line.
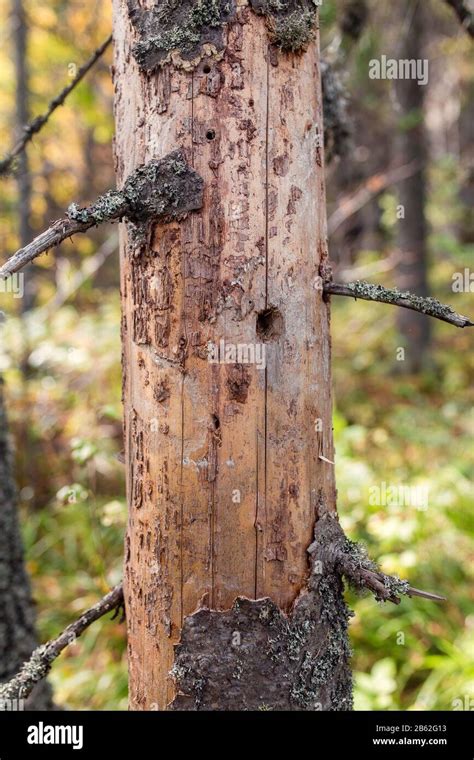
pixel 269 324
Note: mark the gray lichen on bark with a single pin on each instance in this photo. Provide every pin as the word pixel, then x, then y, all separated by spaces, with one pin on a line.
pixel 17 614
pixel 291 23
pixel 350 560
pixel 255 657
pixel 181 26
pixel 183 31
pixel 161 189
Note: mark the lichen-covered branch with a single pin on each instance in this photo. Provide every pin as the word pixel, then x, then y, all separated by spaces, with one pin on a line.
pixel 465 16
pixel 159 189
pixel 369 292
pixel 39 664
pixel 38 123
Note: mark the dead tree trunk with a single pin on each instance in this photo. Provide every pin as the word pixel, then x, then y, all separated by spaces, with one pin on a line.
pixel 17 614
pixel 226 360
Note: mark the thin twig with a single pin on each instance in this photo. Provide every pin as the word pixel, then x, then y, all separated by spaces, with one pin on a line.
pixel 368 292
pixel 385 588
pixel 38 123
pixel 465 16
pixel 39 664
pixel 425 594
pixel 88 269
pixel 353 202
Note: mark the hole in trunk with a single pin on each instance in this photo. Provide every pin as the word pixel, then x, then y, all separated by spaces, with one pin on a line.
pixel 269 324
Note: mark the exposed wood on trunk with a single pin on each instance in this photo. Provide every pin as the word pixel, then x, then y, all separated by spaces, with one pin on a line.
pixel 225 468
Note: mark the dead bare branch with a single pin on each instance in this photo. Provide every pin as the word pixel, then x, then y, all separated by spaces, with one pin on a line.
pixel 351 203
pixel 59 231
pixel 39 664
pixel 38 123
pixel 167 187
pixel 368 292
pixel 465 16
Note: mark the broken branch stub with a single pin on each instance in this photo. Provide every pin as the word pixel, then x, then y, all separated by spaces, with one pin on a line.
pixel 163 189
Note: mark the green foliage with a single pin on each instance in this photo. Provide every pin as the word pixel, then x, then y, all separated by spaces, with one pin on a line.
pixel 413 432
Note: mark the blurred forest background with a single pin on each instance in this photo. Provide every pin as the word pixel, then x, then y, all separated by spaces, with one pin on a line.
pixel 403 423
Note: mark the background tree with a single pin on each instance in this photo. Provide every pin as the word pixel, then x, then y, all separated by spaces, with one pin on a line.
pixel 17 612
pixel 412 266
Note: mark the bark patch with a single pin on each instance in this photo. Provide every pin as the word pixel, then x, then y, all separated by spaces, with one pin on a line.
pixel 291 23
pixel 163 188
pixel 255 657
pixel 185 27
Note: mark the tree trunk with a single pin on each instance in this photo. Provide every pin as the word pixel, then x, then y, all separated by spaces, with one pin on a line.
pixel 17 614
pixel 229 456
pixel 412 270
